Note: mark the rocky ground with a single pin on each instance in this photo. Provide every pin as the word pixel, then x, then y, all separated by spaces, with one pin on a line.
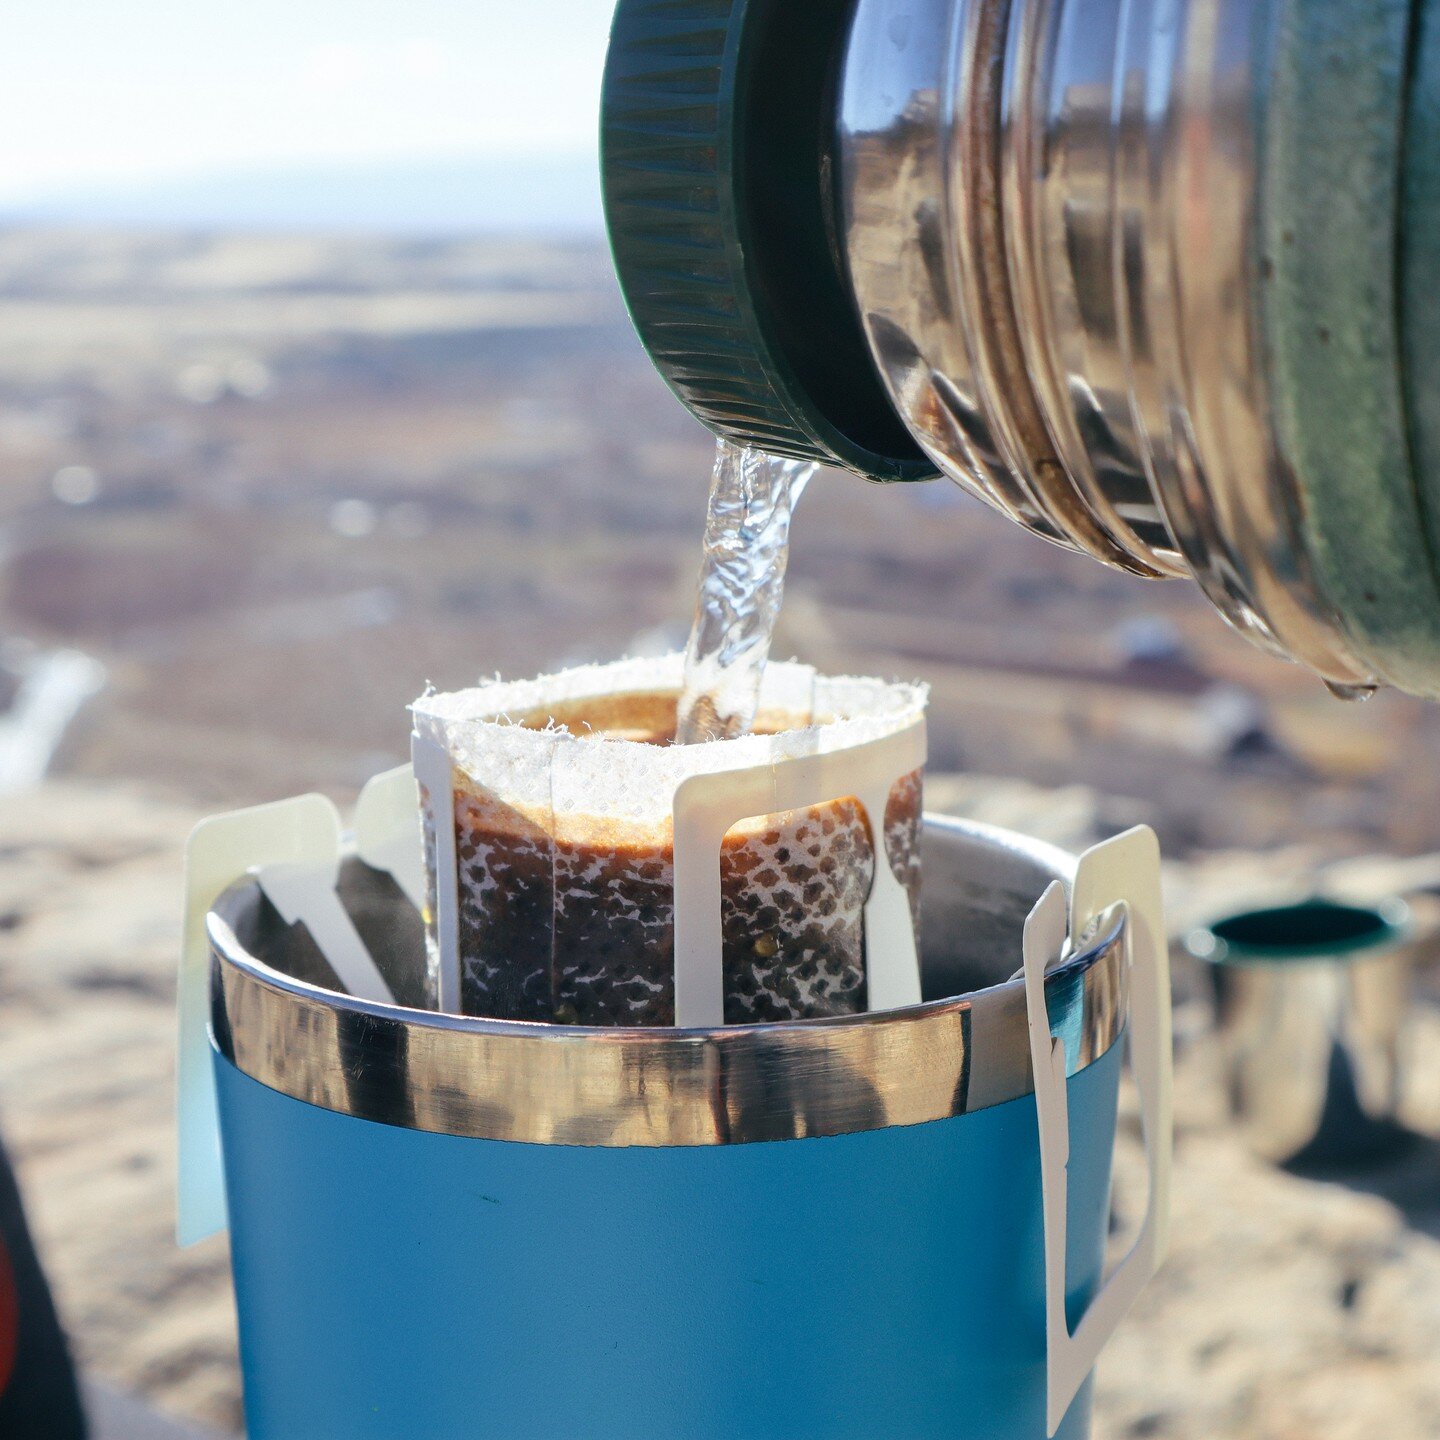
pixel 90 909
pixel 1292 1307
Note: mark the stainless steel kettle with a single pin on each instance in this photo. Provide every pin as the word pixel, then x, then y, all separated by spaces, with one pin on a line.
pixel 1158 279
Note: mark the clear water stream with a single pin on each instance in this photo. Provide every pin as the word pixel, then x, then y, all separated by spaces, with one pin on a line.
pixel 742 581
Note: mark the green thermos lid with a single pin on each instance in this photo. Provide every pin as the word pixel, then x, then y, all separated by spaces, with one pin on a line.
pixel 716 146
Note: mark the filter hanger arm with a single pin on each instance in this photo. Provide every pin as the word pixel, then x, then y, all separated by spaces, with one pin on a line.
pixel 1122 871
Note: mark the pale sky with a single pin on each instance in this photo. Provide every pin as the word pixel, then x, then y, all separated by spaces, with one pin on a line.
pixel 106 91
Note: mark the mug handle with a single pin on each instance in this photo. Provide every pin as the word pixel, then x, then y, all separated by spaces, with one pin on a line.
pixel 1123 871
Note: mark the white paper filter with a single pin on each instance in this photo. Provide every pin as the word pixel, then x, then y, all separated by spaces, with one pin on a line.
pixel 553 850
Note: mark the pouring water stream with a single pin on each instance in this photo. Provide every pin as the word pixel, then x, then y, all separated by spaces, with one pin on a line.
pixel 742 581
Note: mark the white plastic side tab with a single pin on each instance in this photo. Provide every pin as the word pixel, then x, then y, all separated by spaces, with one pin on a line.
pixel 304 894
pixel 705 808
pixel 1122 871
pixel 219 852
pixel 435 777
pixel 386 836
pixel 1126 868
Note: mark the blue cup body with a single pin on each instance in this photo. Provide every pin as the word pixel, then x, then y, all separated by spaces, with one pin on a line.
pixel 455 1228
pixel 398 1283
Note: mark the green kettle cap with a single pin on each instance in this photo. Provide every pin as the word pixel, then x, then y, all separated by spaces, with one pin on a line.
pixel 716 151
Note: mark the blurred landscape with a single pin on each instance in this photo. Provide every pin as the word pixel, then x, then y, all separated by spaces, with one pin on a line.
pixel 256 491
pixel 274 485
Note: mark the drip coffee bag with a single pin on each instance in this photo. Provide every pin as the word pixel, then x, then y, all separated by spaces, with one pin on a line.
pixel 548 809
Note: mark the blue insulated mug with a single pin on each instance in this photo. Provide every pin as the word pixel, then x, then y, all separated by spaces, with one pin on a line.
pixel 448 1227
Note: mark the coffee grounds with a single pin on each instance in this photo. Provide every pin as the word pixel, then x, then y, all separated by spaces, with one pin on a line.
pixel 572 920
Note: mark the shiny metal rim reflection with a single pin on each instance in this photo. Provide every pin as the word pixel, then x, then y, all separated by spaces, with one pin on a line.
pixel 1120 220
pixel 573 1085
pixel 1184 231
pixel 1154 318
pixel 1058 178
pixel 933 297
pixel 915 303
pixel 975 113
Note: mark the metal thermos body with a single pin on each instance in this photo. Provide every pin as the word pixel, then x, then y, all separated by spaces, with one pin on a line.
pixel 1153 278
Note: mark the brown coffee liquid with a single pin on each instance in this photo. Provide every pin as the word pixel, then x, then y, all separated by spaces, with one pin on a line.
pixel 572 920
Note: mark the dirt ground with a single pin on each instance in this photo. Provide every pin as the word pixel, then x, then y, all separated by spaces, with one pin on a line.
pixel 1291 1308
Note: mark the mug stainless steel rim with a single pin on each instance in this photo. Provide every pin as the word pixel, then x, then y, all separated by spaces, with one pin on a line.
pixel 578 1085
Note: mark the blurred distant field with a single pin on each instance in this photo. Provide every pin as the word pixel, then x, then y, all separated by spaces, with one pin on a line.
pixel 277 484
